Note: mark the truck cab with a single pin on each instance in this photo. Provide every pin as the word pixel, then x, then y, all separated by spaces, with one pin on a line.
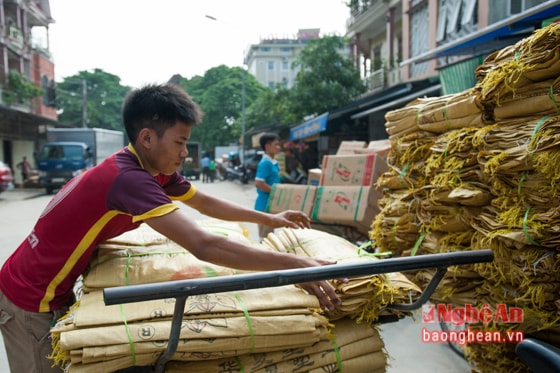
pixel 58 162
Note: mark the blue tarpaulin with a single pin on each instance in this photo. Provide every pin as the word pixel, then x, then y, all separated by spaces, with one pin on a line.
pixel 311 127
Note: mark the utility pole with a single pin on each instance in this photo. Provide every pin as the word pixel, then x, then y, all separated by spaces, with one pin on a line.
pixel 84 103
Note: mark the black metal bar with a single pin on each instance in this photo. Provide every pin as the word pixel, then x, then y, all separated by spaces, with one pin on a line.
pixel 174 335
pixel 426 293
pixel 174 289
pixel 184 288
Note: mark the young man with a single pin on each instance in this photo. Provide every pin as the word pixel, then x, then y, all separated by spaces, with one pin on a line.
pixel 25 168
pixel 268 174
pixel 133 186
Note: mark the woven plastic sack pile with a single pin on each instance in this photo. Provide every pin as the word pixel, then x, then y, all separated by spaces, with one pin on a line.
pixel 234 329
pixel 482 170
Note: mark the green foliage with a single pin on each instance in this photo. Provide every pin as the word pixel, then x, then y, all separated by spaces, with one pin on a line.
pixel 19 89
pixel 220 95
pixel 327 80
pixel 103 98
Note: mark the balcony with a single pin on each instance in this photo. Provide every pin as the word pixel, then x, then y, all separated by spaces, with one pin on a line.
pixel 15 37
pixel 366 14
pixel 382 78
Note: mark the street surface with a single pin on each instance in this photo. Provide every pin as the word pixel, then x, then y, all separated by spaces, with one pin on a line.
pixel 19 208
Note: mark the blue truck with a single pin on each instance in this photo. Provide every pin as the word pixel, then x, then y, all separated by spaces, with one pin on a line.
pixel 71 151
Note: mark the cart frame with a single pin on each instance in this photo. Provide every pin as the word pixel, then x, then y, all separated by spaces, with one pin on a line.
pixel 182 289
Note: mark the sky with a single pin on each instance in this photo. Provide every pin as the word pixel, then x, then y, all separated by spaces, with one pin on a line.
pixel 147 41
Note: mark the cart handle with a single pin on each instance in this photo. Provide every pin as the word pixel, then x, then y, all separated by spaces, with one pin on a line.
pixel 181 289
pixel 173 289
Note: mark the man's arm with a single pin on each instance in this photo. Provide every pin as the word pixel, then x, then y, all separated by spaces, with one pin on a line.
pixel 235 254
pixel 262 185
pixel 224 210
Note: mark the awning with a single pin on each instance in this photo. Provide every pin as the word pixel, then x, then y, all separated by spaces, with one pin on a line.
pixel 311 127
pixel 521 23
pixel 400 101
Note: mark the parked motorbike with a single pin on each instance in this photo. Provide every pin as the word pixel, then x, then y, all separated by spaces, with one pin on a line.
pixel 239 172
pixel 296 176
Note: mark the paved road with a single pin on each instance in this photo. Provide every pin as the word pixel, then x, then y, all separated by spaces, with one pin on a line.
pixel 20 207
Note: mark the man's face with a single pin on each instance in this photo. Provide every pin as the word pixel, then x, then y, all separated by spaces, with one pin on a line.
pixel 273 148
pixel 166 154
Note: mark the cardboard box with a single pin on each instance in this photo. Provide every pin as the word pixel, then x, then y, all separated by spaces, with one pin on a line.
pixel 348 147
pixel 354 206
pixel 379 147
pixel 352 169
pixel 314 176
pixel 291 197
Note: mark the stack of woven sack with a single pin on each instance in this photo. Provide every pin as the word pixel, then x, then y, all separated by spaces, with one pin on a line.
pixel 485 176
pixel 259 330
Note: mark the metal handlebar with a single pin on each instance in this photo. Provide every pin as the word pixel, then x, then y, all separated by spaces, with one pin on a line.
pixel 181 289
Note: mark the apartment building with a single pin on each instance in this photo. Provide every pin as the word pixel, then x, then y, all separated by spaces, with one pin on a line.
pixel 407 49
pixel 25 60
pixel 271 60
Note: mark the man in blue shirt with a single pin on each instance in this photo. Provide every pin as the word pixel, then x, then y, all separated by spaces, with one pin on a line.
pixel 268 174
pixel 205 163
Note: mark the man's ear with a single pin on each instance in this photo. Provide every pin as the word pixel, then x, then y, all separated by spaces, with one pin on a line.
pixel 146 137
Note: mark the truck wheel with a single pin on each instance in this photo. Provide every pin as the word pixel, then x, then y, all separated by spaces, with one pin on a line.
pixel 49 190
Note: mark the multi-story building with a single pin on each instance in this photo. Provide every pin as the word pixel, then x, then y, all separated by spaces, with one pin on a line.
pixel 395 41
pixel 407 49
pixel 270 61
pixel 25 60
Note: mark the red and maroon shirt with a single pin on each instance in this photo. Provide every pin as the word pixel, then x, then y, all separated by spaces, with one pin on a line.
pixel 104 202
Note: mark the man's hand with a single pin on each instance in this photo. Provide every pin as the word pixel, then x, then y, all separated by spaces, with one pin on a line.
pixel 291 219
pixel 324 292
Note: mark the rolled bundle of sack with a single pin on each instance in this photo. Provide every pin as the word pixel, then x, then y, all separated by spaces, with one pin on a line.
pixel 532 59
pixel 363 297
pixel 350 348
pixel 436 114
pixel 537 99
pixel 143 255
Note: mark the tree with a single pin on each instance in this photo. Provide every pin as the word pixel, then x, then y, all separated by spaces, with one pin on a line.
pixel 20 90
pixel 326 80
pixel 103 99
pixel 219 94
pixel 272 106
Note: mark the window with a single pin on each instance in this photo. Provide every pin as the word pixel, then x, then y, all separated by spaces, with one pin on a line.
pixel 265 49
pixel 285 65
pixel 270 65
pixel 469 12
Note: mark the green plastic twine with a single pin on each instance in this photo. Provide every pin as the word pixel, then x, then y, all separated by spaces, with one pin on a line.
pixel 417 244
pixel 337 354
pixel 526 228
pixel 447 122
pixel 523 177
pixel 402 173
pixel 537 128
pixel 553 99
pixel 128 261
pixel 248 319
pixel 129 336
pixel 239 365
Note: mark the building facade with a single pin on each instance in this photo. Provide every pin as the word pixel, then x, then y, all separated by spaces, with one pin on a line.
pixel 271 60
pixel 24 60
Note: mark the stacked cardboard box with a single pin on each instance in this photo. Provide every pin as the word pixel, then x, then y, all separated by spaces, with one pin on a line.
pixel 346 194
pixel 291 197
pixel 343 191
